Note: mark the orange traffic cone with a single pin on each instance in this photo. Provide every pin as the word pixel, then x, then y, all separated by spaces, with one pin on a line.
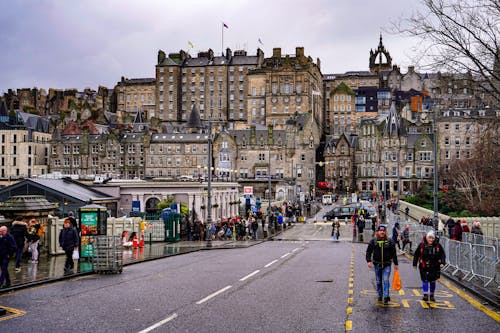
pixel 141 243
pixel 134 242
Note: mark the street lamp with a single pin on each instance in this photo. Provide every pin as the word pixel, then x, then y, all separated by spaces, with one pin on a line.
pixel 435 187
pixel 208 223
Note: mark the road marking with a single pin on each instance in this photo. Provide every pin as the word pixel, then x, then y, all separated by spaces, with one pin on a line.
pixel 348 325
pixel 13 313
pixel 296 249
pixel 471 300
pixel 158 324
pixel 285 255
pixel 201 301
pixel 250 275
pixel 272 262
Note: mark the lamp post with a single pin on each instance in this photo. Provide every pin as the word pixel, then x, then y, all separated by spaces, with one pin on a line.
pixel 208 223
pixel 435 208
pixel 269 181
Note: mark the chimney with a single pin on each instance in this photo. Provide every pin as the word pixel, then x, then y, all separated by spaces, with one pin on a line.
pixel 411 69
pixel 229 54
pixel 277 52
pixel 299 52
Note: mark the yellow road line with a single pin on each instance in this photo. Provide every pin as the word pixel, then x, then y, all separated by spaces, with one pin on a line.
pixel 475 303
pixel 14 313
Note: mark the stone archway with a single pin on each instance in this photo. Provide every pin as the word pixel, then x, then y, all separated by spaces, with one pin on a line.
pixel 152 205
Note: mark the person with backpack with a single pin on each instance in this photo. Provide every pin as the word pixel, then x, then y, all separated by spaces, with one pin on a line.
pixel 35 232
pixel 380 253
pixel 430 258
pixel 19 231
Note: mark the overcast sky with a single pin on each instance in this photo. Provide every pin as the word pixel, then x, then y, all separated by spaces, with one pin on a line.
pixel 78 44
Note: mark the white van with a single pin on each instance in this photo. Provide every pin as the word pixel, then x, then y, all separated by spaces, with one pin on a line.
pixel 327 199
pixel 186 178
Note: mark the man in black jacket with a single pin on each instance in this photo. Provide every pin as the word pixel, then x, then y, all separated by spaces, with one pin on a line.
pixel 7 249
pixel 380 253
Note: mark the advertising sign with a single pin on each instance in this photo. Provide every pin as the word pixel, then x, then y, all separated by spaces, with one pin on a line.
pixel 136 206
pixel 247 189
pixel 88 225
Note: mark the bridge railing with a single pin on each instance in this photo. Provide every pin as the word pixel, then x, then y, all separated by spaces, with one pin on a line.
pixel 473 258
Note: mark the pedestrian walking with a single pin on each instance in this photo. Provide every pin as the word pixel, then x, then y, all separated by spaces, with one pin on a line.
pixel 35 231
pixel 396 231
pixel 255 227
pixel 430 258
pixel 8 247
pixel 19 231
pixel 405 235
pixel 457 231
pixel 336 229
pixel 476 228
pixel 68 240
pixel 71 218
pixel 381 252
pixel 450 224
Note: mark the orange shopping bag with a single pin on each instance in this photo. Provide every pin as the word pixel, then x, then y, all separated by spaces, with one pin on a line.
pixel 396 280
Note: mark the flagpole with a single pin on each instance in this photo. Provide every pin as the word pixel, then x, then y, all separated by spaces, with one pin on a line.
pixel 222 43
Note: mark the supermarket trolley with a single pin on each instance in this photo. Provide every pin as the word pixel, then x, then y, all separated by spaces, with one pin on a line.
pixel 108 255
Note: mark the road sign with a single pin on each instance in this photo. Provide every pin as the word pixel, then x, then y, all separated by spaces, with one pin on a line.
pixel 248 190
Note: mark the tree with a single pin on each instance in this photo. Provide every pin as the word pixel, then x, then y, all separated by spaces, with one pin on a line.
pixel 458 37
pixel 478 178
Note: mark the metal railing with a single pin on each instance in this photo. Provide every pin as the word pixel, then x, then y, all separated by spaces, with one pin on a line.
pixel 474 258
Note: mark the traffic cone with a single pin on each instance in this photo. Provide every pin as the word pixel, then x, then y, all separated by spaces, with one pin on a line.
pixel 134 242
pixel 141 243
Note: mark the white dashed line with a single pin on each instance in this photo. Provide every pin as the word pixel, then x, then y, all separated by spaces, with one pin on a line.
pixel 285 255
pixel 272 262
pixel 213 295
pixel 296 249
pixel 250 275
pixel 158 324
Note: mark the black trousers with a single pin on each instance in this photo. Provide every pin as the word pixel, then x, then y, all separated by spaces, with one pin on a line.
pixel 69 264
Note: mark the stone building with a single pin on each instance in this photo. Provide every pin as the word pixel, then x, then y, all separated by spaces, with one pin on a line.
pixel 24 144
pixel 216 85
pixel 133 96
pixel 284 86
pixel 339 162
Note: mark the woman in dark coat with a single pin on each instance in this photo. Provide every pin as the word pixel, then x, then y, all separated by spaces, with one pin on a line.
pixel 430 258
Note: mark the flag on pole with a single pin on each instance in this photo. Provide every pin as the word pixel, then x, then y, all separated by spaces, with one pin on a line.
pixel 260 42
pixel 225 25
pixel 191 45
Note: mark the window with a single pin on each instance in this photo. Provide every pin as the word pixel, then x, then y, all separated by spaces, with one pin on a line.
pixel 447 141
pixel 424 156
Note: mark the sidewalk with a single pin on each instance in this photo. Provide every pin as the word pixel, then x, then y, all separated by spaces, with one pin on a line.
pixel 51 268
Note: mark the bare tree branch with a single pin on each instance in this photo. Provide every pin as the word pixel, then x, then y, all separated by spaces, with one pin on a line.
pixel 460 36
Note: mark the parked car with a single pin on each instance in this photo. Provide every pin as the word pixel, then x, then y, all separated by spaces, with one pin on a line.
pixel 340 212
pixel 186 178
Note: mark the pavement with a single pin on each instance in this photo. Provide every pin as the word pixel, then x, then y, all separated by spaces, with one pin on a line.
pixel 51 268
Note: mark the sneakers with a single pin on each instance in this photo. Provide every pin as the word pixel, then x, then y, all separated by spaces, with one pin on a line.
pixel 426 298
pixel 386 299
pixel 432 299
pixel 379 299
